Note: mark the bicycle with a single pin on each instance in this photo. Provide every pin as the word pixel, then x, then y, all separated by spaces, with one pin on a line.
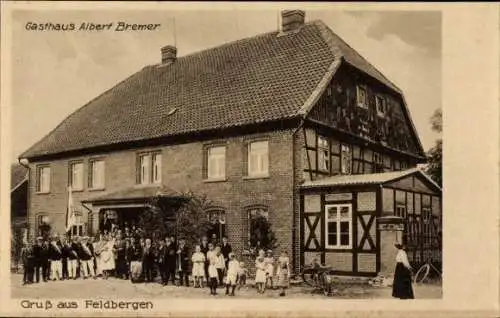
pixel 320 278
pixel 423 273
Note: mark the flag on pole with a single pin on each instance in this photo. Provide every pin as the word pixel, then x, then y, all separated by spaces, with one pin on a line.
pixel 70 215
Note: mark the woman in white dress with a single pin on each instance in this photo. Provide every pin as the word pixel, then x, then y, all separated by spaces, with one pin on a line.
pixel 108 257
pixel 98 248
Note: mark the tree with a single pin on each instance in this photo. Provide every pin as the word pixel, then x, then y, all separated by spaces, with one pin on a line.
pixel 261 235
pixel 181 217
pixel 435 154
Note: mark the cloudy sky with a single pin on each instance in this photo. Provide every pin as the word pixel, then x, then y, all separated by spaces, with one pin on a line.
pixel 55 73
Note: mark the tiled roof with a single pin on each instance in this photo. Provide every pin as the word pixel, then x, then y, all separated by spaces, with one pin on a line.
pixel 364 179
pixel 259 79
pixel 136 192
pixel 18 174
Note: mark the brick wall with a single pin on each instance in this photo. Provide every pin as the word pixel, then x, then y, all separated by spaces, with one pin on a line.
pixel 182 167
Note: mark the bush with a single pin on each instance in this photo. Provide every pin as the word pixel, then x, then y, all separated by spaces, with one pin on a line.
pixel 261 235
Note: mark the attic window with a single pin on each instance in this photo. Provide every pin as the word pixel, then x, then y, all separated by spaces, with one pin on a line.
pixel 171 111
pixel 380 104
pixel 361 96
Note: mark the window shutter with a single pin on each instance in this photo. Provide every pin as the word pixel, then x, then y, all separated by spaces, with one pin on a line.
pixel 245 157
pixel 205 163
pixel 138 169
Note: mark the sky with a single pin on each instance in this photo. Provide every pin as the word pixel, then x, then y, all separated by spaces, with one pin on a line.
pixel 54 72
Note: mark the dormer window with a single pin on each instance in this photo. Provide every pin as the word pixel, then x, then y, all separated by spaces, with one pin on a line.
pixel 361 96
pixel 380 105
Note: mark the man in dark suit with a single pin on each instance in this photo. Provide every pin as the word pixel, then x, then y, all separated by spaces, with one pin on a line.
pixel 183 263
pixel 37 258
pixel 86 255
pixel 170 261
pixel 161 254
pixel 148 260
pixel 226 249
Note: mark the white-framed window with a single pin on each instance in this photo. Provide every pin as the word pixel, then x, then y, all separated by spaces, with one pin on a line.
pixel 76 176
pixel 378 162
pixel 380 105
pixel 97 174
pixel 323 154
pixel 401 210
pixel 361 96
pixel 43 179
pixel 216 163
pixel 156 168
pixel 258 159
pixel 345 159
pixel 149 168
pixel 338 226
pixel 78 228
pixel 144 168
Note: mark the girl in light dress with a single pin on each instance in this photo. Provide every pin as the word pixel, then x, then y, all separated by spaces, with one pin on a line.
pixel 198 271
pixel 283 272
pixel 260 273
pixel 269 260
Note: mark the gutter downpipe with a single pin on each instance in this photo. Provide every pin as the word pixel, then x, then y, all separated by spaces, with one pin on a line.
pixel 28 196
pixel 295 224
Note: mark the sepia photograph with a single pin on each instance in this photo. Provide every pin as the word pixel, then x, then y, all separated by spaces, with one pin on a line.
pixel 209 154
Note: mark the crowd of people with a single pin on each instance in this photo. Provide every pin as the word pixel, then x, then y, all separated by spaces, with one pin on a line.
pixel 126 255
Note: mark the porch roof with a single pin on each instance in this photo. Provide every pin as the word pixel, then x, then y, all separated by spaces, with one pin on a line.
pixel 365 179
pixel 136 194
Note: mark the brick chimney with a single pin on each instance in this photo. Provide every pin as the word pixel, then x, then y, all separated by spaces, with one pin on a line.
pixel 292 20
pixel 168 54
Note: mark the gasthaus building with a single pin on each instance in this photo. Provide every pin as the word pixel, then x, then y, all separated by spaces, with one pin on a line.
pixel 293 124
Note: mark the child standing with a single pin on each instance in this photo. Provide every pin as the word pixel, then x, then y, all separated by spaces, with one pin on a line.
pixel 269 260
pixel 242 275
pixel 220 265
pixel 198 271
pixel 212 273
pixel 233 269
pixel 283 272
pixel 260 273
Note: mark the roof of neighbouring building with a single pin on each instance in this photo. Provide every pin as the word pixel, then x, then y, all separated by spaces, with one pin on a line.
pixel 18 175
pixel 366 179
pixel 259 79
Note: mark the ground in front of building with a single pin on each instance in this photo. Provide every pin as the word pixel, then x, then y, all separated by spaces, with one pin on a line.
pixel 123 289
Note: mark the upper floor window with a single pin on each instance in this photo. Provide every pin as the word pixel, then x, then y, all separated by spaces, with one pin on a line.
pixel 380 105
pixel 258 159
pixel 76 176
pixel 216 163
pixel 361 96
pixel 149 168
pixel 43 179
pixel 346 159
pixel 378 162
pixel 156 174
pixel 323 154
pixel 338 226
pixel 97 175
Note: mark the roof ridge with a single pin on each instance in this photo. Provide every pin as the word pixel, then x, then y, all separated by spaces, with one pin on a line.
pixel 327 33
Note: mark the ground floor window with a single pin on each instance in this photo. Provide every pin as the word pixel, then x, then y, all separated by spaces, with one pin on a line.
pixel 79 227
pixel 217 219
pixel 338 226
